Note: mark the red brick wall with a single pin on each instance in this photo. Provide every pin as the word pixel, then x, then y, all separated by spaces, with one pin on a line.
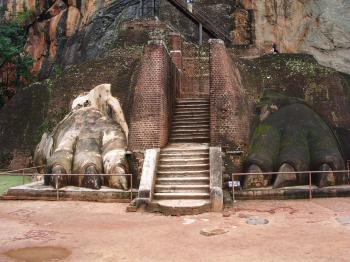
pixel 229 114
pixel 195 63
pixel 154 98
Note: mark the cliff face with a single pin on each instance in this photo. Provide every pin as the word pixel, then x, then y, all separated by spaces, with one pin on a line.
pixel 71 31
pixel 317 27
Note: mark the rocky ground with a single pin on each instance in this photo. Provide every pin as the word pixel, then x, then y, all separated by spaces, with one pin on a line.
pixel 317 230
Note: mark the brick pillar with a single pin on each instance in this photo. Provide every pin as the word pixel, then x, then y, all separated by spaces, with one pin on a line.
pixel 229 112
pixel 149 125
pixel 176 49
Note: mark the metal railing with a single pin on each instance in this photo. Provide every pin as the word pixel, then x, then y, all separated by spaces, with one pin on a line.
pixel 22 174
pixel 201 19
pixel 309 173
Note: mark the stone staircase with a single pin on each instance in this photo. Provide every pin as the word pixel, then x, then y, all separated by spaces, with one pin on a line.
pixel 182 183
pixel 191 121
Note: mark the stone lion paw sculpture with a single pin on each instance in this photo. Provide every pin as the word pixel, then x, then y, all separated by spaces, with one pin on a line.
pixel 289 139
pixel 91 139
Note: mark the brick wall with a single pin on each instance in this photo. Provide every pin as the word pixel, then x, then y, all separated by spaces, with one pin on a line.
pixel 195 82
pixel 229 114
pixel 154 98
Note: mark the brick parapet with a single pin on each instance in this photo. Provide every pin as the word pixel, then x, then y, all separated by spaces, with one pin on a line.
pixel 154 98
pixel 175 40
pixel 229 112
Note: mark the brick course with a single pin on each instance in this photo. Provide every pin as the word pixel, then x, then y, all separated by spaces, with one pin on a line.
pixel 229 117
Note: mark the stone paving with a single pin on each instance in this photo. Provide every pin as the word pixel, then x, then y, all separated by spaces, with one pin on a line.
pixel 297 230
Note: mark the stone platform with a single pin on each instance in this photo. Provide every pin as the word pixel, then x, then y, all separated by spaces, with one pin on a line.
pixel 180 207
pixel 38 191
pixel 296 192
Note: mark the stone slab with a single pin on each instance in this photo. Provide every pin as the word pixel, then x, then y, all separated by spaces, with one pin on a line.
pixel 38 191
pixel 216 193
pixel 297 192
pixel 179 207
pixel 149 170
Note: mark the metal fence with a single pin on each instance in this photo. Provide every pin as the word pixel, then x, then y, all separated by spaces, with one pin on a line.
pixel 309 173
pixel 24 173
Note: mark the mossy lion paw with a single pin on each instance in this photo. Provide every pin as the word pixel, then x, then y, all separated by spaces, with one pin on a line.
pixel 293 138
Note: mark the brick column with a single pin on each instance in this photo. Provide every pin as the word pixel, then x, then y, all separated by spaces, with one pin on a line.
pixel 176 49
pixel 150 112
pixel 229 112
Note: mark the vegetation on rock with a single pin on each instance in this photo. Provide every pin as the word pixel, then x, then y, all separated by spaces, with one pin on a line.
pixel 14 62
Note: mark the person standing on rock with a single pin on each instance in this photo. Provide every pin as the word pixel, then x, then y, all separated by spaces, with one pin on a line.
pixel 189 5
pixel 274 49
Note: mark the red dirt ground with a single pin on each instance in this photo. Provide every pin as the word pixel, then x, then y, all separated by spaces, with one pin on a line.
pixel 298 230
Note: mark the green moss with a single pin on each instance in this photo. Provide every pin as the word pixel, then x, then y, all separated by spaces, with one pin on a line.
pixel 276 97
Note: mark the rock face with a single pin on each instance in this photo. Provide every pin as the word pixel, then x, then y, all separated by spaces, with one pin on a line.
pixel 317 27
pixel 69 32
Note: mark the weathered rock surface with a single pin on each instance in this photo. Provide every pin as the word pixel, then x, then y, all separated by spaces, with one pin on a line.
pixel 91 139
pixel 68 32
pixel 318 27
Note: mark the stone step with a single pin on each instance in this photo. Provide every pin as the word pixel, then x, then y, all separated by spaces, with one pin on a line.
pixel 189 136
pixel 183 174
pixel 191 114
pixel 186 147
pixel 190 122
pixel 192 101
pixel 182 189
pixel 188 125
pixel 192 109
pixel 184 167
pixel 181 161
pixel 180 207
pixel 190 139
pixel 184 151
pixel 183 181
pixel 195 58
pixel 187 133
pixel 191 126
pixel 190 130
pixel 190 118
pixel 181 195
pixel 193 105
pixel 179 155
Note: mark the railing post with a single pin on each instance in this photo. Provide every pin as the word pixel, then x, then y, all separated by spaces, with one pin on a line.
pixel 348 170
pixel 233 189
pixel 141 8
pixel 310 190
pixel 200 34
pixel 131 187
pixel 57 196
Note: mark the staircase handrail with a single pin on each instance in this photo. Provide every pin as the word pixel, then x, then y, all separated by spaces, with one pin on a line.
pixel 201 18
